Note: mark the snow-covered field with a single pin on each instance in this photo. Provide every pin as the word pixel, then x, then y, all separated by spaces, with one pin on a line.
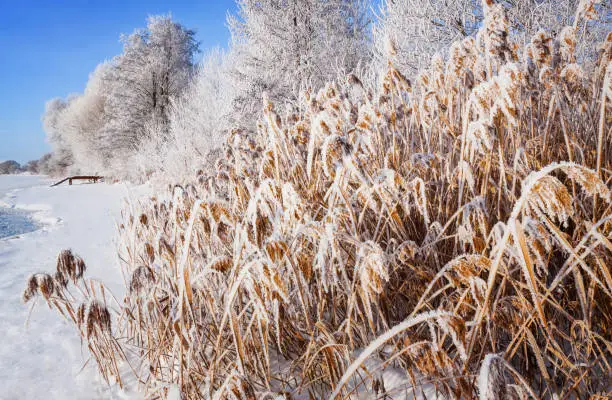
pixel 44 360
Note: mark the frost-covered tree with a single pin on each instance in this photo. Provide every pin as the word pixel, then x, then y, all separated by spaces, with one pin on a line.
pixel 281 45
pixel 196 125
pixel 155 67
pixel 49 164
pixel 102 129
pixel 419 29
pixel 62 153
pixel 83 123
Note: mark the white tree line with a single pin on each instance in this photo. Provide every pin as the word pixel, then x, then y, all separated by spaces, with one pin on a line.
pixel 153 110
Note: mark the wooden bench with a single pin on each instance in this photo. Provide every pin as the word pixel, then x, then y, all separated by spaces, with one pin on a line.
pixel 90 178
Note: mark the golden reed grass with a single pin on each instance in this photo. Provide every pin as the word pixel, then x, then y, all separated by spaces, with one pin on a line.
pixel 458 228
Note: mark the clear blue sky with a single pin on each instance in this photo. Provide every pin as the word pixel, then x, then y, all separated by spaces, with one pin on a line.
pixel 49 47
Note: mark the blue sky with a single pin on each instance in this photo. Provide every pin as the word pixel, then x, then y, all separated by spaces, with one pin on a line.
pixel 49 47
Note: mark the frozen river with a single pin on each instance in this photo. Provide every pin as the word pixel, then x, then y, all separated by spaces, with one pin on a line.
pixel 15 222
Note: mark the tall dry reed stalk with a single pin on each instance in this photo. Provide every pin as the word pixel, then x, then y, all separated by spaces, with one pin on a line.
pixel 458 228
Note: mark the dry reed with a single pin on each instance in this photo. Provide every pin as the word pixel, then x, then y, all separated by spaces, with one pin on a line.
pixel 459 228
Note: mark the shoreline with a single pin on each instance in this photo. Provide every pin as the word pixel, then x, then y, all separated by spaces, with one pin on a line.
pixel 39 214
pixel 47 354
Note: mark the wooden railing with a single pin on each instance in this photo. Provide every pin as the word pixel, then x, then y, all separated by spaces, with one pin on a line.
pixel 90 178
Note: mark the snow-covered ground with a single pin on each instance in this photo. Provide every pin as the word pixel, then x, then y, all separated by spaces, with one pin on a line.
pixel 44 360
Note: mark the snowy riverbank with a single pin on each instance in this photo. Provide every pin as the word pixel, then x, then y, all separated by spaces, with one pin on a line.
pixel 44 359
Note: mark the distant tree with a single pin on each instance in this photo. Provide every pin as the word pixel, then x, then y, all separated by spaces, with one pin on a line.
pixel 281 45
pixel 32 166
pixel 9 167
pixel 50 165
pixel 45 164
pixel 82 123
pixel 62 153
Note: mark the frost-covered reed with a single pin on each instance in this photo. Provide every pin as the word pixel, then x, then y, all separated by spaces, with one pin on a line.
pixel 458 227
